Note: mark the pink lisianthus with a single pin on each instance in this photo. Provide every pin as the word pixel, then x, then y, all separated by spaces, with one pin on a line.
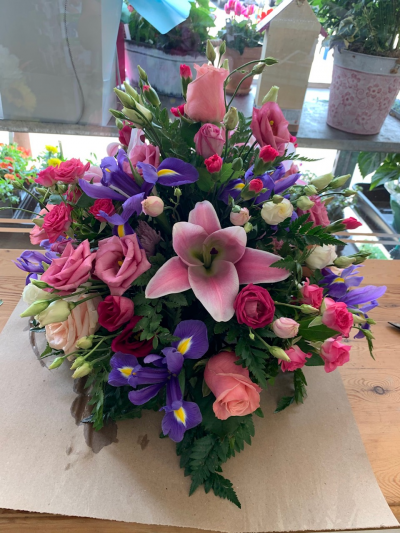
pixel 270 127
pixel 57 221
pixel 317 213
pixel 209 140
pixel 70 171
pixel 336 316
pixel 37 233
pixel 235 393
pixel 240 219
pixel 93 175
pixel 205 95
pixel 297 359
pixel 334 353
pixel 46 177
pixel 119 262
pixel 59 246
pixel 73 268
pixel 105 205
pixel 294 169
pixel 311 294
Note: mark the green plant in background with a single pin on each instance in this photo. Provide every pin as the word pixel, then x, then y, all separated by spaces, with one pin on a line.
pixel 240 34
pixel 189 36
pixel 367 26
pixel 386 167
pixel 15 171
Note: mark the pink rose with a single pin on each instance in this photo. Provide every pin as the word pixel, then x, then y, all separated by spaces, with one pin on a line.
pixel 119 262
pixel 317 213
pixel 213 164
pixel 81 322
pixel 70 171
pixel 334 353
pixel 125 135
pixel 185 71
pixel 205 95
pixel 209 140
pixel 269 126
pixel 240 219
pixel 254 307
pixel 235 393
pixel 297 359
pixel 336 316
pixel 57 221
pixel 37 233
pixel 114 311
pixel 285 328
pixel 311 294
pixel 144 153
pixel 70 270
pixel 351 223
pixel 103 204
pixel 46 177
pixel 93 175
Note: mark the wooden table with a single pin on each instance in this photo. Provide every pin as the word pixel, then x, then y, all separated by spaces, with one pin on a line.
pixel 373 388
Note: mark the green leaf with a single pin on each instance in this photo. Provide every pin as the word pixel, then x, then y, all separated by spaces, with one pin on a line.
pixel 253 359
pixel 315 360
pixel 205 182
pixel 284 403
pixel 223 488
pixel 84 201
pixel 226 173
pixel 182 382
pixel 47 351
pixel 369 161
pixel 389 171
pixel 316 333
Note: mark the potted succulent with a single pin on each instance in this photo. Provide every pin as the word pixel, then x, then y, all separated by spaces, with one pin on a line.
pixel 162 54
pixel 366 72
pixel 243 44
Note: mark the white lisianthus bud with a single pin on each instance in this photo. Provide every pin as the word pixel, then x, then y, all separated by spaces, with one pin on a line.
pixel 58 361
pixel 78 362
pixel 322 181
pixel 344 262
pixel 57 311
pixel 340 181
pixel 275 213
pixel 32 293
pixel 139 116
pixel 321 256
pixel 357 319
pixel 35 308
pixel 310 190
pixel 82 370
pixel 240 219
pixel 153 206
pixel 272 95
pixel 308 309
pixel 285 328
pixel 84 343
pixel 304 203
pixel 279 353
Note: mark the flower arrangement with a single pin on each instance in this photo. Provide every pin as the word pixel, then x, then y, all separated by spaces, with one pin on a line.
pixel 187 272
pixel 240 30
pixel 15 170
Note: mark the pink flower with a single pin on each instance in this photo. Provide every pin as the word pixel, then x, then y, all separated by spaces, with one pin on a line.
pixel 46 177
pixel 268 153
pixel 185 71
pixel 70 171
pixel 205 95
pixel 146 88
pixel 148 237
pixel 130 8
pixel 144 153
pixel 254 307
pixel 269 126
pixel 125 135
pixel 297 359
pixel 213 164
pixel 112 149
pixel 240 219
pixel 235 393
pixel 334 353
pixel 178 111
pixel 93 175
pixel 336 316
pixel 311 294
pixel 57 221
pixel 59 246
pixel 238 8
pixel 285 328
pixel 294 169
pixel 248 11
pixel 37 233
pixel 153 206
pixel 73 268
pixel 119 262
pixel 114 311
pixel 256 185
pixel 105 205
pixel 317 213
pixel 212 262
pixel 209 140
pixel 351 223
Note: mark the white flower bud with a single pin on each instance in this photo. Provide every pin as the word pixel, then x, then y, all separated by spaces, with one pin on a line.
pixel 321 256
pixel 32 293
pixel 35 308
pixel 304 203
pixel 82 371
pixel 57 311
pixel 275 213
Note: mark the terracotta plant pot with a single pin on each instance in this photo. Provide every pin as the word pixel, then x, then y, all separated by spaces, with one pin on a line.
pixel 363 90
pixel 235 61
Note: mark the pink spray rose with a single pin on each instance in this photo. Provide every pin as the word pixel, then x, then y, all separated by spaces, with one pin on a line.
pixel 236 394
pixel 351 223
pixel 335 353
pixel 254 307
pixel 114 311
pixel 70 171
pixel 336 316
pixel 57 221
pixel 209 140
pixel 213 164
pixel 72 269
pixel 317 213
pixel 285 328
pixel 104 204
pixel 297 359
pixel 46 177
pixel 119 262
pixel 205 95
pixel 38 234
pixel 269 126
pixel 311 294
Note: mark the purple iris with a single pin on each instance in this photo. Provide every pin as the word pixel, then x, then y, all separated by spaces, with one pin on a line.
pixel 338 285
pixel 233 189
pixel 32 262
pixel 171 172
pixel 124 367
pixel 121 226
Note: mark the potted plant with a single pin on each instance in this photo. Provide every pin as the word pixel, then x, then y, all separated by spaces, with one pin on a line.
pixel 243 44
pixel 162 54
pixel 366 72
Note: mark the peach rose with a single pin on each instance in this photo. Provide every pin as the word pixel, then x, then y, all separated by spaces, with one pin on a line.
pixel 236 394
pixel 82 321
pixel 205 95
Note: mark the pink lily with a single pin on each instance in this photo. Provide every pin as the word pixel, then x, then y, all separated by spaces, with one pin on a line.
pixel 213 262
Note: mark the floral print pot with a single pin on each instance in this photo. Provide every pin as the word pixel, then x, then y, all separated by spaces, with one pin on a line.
pixel 363 90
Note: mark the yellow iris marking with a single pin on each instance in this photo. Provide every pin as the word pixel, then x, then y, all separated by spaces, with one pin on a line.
pixel 184 345
pixel 239 186
pixel 271 122
pixel 180 415
pixel 127 371
pixel 120 263
pixel 121 231
pixel 338 280
pixel 166 172
pixel 108 170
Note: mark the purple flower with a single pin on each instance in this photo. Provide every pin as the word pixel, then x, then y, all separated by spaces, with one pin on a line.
pixel 32 262
pixel 338 285
pixel 124 367
pixel 233 189
pixel 171 172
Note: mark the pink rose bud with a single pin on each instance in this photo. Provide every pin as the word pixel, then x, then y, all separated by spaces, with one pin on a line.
pixel 105 205
pixel 153 206
pixel 209 140
pixel 285 328
pixel 351 223
pixel 297 359
pixel 334 353
pixel 240 219
pixel 311 294
pixel 256 185
pixel 268 154
pixel 213 164
pixel 146 88
pixel 185 71
pixel 178 111
pixel 336 316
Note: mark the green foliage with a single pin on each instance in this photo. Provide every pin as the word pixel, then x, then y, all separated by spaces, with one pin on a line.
pixel 15 169
pixel 315 333
pixel 299 393
pixel 386 167
pixel 241 35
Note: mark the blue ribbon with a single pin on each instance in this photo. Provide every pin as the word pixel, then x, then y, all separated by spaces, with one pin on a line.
pixel 162 14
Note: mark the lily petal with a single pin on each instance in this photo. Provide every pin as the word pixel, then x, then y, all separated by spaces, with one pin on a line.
pixel 216 288
pixel 254 267
pixel 230 243
pixel 188 242
pixel 170 279
pixel 204 215
pixel 99 191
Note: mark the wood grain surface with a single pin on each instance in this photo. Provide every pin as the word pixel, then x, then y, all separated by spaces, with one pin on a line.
pixel 373 388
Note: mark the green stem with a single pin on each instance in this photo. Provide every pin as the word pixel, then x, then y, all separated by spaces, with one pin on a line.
pixel 86 299
pixel 288 305
pixel 226 143
pixel 42 205
pixel 244 145
pixel 261 339
pixel 19 209
pixel 238 86
pixel 249 151
pixel 233 71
